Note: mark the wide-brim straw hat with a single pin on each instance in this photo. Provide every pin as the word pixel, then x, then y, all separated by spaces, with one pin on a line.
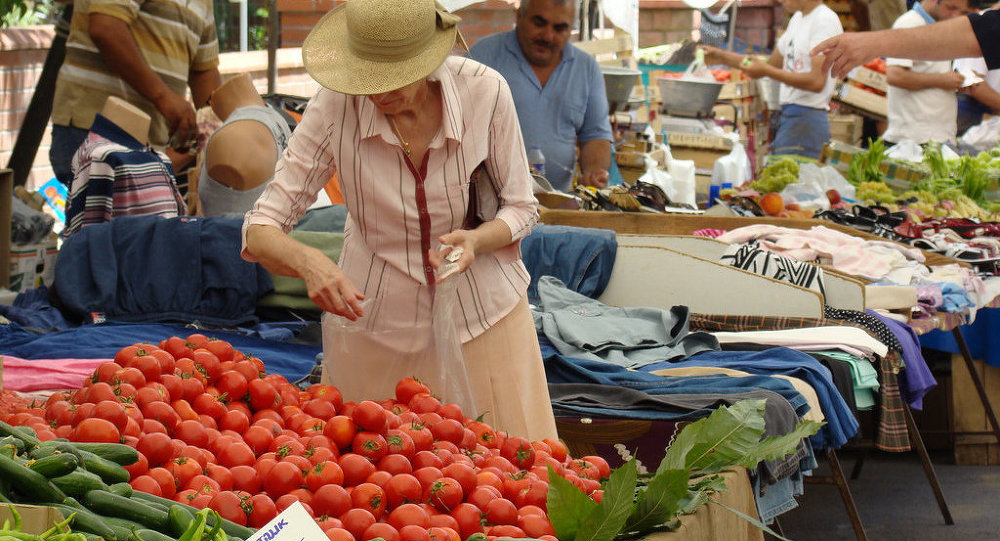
pixel 375 46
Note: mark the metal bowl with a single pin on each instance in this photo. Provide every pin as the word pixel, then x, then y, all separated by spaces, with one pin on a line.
pixel 618 85
pixel 688 98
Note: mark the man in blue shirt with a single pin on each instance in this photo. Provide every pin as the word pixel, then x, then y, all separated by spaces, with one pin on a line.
pixel 558 91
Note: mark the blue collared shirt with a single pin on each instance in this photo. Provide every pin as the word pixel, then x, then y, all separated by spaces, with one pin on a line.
pixel 923 13
pixel 572 106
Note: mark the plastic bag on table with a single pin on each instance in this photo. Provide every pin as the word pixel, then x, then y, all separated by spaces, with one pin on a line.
pixel 27 225
pixel 983 136
pixel 365 359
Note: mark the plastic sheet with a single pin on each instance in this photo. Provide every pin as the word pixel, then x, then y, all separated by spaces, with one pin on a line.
pixel 365 358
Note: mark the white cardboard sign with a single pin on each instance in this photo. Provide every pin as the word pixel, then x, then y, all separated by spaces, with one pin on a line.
pixel 292 524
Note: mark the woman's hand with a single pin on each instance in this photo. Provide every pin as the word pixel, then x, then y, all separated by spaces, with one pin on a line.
pixel 331 289
pixel 461 239
pixel 714 55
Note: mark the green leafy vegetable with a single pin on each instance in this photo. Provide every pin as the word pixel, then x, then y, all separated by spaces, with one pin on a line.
pixel 609 517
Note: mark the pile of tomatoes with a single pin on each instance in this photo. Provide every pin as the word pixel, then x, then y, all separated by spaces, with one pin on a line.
pixel 214 430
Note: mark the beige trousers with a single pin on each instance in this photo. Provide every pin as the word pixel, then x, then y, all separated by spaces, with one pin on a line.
pixel 506 372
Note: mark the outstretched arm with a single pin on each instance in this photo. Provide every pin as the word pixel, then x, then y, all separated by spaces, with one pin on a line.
pixel 945 40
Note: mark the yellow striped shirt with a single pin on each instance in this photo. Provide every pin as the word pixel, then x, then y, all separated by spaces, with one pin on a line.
pixel 174 36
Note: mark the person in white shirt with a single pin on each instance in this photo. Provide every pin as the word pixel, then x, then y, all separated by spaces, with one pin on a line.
pixel 980 98
pixel 804 95
pixel 922 104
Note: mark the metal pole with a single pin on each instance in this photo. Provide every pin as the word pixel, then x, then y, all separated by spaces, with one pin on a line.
pixel 29 136
pixel 273 37
pixel 244 26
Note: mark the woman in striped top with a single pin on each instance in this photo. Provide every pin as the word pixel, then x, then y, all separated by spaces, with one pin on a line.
pixel 405 126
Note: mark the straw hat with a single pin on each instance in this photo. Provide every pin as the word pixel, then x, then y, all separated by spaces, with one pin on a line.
pixel 375 46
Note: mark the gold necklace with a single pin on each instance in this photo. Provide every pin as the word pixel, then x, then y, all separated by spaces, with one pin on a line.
pixel 395 129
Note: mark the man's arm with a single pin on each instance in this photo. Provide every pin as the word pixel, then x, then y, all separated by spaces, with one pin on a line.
pixel 908 79
pixel 202 84
pixel 595 160
pixel 986 95
pixel 114 40
pixel 945 40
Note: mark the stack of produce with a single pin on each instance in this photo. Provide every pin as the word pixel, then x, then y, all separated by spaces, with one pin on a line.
pixel 88 484
pixel 206 427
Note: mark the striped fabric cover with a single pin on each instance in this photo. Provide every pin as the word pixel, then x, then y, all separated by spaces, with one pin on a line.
pixel 174 37
pixel 112 179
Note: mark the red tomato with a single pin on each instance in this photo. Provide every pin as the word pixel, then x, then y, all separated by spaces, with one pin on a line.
pixel 409 514
pixel 320 408
pixel 395 464
pixel 469 519
pixel 519 452
pixel 535 494
pixel 207 404
pixel 407 388
pixel 420 434
pixel 97 430
pixel 163 477
pixel 585 469
pixel 192 433
pixel 147 484
pixel 414 533
pixel 535 525
pixel 500 511
pixel 174 386
pixel 339 534
pixel 402 488
pixel 324 473
pixel 101 391
pixel 482 495
pixel 444 494
pixel 603 469
pixel 371 416
pixel 165 359
pixel 132 376
pixel 504 530
pixel 209 363
pixel 262 510
pixel 236 454
pixel 369 445
pixel 162 412
pixel 231 385
pixel 245 478
pixel 424 403
pixel 356 468
pixel 184 469
pixel 331 500
pixel 263 395
pixel 357 521
pixel 221 475
pixel 220 348
pixel 234 420
pixel 229 506
pixel 176 346
pixel 341 430
pixel 149 366
pixel 370 497
pixel 282 478
pixel 380 530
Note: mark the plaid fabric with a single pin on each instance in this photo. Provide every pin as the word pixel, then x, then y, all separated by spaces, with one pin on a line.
pixel 892 435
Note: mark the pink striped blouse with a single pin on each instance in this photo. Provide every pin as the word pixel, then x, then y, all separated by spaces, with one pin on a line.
pixel 382 246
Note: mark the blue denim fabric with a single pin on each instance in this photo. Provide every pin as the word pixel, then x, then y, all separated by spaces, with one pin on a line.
pixel 119 268
pixel 561 369
pixel 580 257
pixel 840 425
pixel 291 360
pixel 802 131
pixel 775 499
pixel 66 140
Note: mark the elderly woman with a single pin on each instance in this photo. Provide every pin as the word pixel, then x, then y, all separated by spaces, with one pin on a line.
pixel 407 126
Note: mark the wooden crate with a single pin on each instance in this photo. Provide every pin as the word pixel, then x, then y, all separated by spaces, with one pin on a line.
pixel 869 102
pixel 846 128
pixel 968 415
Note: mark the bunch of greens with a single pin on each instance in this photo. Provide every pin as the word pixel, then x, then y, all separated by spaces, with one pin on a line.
pixel 635 505
pixel 968 175
pixel 866 166
pixel 776 176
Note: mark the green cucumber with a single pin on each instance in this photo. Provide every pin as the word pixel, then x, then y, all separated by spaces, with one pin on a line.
pixel 28 482
pixel 122 489
pixel 179 519
pixel 153 535
pixel 22 433
pixel 124 529
pixel 112 505
pixel 110 472
pixel 154 505
pixel 55 465
pixel 43 451
pixel 86 521
pixel 118 453
pixel 79 482
pixel 228 526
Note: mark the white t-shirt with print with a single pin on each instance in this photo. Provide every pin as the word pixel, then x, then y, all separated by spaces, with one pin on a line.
pixel 922 115
pixel 802 34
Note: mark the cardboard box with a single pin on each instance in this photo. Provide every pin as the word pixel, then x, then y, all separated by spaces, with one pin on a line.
pixel 704 159
pixel 32 265
pixel 6 210
pixel 862 99
pixel 35 519
pixel 702 141
pixel 869 77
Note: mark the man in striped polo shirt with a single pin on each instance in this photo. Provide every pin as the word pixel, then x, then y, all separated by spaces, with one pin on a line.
pixel 144 51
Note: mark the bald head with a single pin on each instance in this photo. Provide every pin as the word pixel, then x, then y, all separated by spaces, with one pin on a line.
pixel 526 4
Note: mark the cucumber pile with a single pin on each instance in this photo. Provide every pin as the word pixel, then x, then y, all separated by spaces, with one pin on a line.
pixel 87 482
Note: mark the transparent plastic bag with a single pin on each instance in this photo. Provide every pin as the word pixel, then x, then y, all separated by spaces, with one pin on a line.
pixel 27 225
pixel 365 358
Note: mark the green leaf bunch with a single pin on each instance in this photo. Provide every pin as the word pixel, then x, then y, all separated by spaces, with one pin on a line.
pixel 633 507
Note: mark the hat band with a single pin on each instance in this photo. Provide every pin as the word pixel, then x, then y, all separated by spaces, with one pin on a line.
pixel 382 51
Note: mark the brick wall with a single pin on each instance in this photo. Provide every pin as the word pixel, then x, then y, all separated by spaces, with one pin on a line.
pixel 22 53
